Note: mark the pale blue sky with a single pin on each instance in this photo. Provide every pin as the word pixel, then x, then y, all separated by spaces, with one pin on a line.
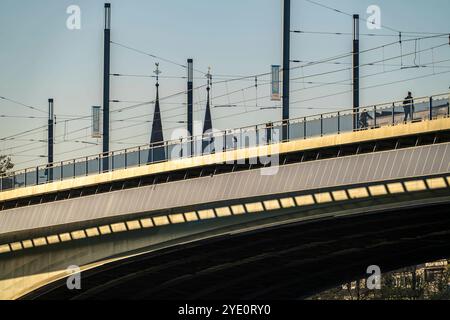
pixel 40 58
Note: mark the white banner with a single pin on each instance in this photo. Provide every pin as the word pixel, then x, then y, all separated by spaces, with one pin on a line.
pixel 276 95
pixel 96 122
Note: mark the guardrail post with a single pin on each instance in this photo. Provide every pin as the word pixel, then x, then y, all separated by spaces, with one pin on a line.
pixel 448 108
pixel 25 178
pixel 431 108
pixel 321 125
pixel 225 141
pixel 339 123
pixel 288 130
pixel 87 166
pixel 112 161
pixel 166 146
pixel 375 116
pixel 74 169
pixel 37 176
pixel 304 128
pixel 139 156
pixel 393 113
pixel 151 153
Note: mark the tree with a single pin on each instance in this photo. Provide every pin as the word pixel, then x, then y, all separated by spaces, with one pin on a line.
pixel 422 282
pixel 5 164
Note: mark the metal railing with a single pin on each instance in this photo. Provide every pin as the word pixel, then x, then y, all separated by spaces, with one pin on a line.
pixel 388 114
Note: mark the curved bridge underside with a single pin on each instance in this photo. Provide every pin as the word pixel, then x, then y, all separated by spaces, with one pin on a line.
pixel 284 260
pixel 240 234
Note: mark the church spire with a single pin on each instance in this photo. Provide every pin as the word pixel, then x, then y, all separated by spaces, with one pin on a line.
pixel 207 125
pixel 157 137
pixel 208 138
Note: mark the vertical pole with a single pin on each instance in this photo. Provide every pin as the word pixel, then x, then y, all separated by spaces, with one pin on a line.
pixel 106 85
pixel 339 122
pixel 321 125
pixel 190 102
pixel 304 128
pixel 431 108
pixel 286 66
pixel 51 117
pixel 393 113
pixel 375 116
pixel 225 141
pixel 356 70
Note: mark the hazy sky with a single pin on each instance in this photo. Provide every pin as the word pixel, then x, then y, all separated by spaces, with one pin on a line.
pixel 41 58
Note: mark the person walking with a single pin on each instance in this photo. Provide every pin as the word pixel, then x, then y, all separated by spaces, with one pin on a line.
pixel 364 119
pixel 408 106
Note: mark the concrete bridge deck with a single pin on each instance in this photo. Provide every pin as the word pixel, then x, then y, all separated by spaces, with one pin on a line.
pixel 39 241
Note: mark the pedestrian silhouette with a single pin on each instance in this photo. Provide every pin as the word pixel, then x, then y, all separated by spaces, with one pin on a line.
pixel 408 106
pixel 364 119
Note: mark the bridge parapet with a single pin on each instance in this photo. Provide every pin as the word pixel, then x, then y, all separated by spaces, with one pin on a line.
pixel 326 130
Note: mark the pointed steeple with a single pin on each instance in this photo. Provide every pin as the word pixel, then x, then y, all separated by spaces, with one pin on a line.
pixel 157 137
pixel 208 140
pixel 207 125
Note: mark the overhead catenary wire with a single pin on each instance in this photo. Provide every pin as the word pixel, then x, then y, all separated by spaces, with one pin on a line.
pixel 371 63
pixel 437 35
pixel 154 56
pixel 244 77
pixel 23 104
pixel 325 60
pixel 365 20
pixel 373 86
pixel 309 64
pixel 246 112
pixel 378 64
pixel 22 133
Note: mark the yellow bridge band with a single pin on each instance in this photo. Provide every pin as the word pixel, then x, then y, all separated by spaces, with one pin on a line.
pixel 301 201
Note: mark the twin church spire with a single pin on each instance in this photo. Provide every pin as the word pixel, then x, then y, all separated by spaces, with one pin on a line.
pixel 157 134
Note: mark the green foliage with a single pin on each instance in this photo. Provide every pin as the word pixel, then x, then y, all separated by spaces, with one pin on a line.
pixel 5 164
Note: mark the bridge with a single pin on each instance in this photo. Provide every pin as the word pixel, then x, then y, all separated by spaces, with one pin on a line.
pixel 241 213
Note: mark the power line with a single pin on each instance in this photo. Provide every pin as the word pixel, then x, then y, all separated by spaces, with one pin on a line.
pixel 22 133
pixel 318 86
pixel 154 56
pixel 435 35
pixel 141 104
pixel 378 64
pixel 368 64
pixel 365 20
pixel 225 78
pixel 345 13
pixel 85 128
pixel 243 78
pixel 5 116
pixel 23 104
pixel 371 87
